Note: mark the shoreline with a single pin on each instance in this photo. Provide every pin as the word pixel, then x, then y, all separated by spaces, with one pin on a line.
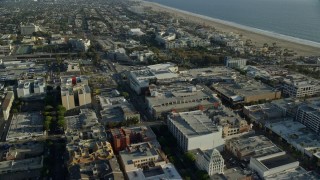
pixel 301 46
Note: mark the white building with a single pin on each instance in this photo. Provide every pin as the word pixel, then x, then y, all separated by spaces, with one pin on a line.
pixel 299 86
pixel 31 87
pixel 195 130
pixel 273 164
pixel 29 29
pixel 210 161
pixel 136 32
pixel 309 115
pixel 235 63
pixel 141 79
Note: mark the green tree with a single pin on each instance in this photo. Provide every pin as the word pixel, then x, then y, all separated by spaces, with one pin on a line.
pixel 48 118
pixel 48 108
pixel 46 125
pixel 14 111
pixel 61 123
pixel 202 175
pixel 189 158
pixel 125 95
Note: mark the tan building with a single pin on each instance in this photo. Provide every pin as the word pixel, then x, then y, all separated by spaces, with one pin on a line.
pixel 7 104
pixel 235 126
pixel 246 90
pixel 75 96
pixel 91 150
pixel 141 155
pixel 232 124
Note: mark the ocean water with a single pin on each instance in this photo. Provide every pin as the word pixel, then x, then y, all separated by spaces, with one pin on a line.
pixel 295 18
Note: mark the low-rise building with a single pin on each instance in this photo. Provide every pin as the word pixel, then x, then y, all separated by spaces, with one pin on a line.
pixel 245 90
pixel 86 119
pixel 22 151
pixel 195 130
pixel 182 98
pixel 12 166
pixel 141 155
pixel 141 79
pixel 273 164
pixel 256 146
pixel 210 161
pixel 233 125
pixel 116 110
pixel 98 169
pixel 7 104
pixel 90 150
pixel 123 137
pixel 166 171
pixel 29 29
pixel 298 136
pixel 25 126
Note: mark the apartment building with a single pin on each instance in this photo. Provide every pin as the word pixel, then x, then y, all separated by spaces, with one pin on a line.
pixel 31 87
pixel 195 130
pixel 75 96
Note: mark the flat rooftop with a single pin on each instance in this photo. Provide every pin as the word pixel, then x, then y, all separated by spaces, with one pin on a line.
pixel 278 161
pixel 297 134
pixel 138 151
pixel 25 125
pixel 255 146
pixel 194 123
pixel 294 174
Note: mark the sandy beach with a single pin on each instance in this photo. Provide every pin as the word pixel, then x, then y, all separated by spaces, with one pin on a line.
pixel 259 37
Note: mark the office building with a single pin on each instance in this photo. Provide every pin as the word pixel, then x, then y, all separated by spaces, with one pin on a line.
pixel 309 115
pixel 300 86
pixel 195 130
pixel 210 161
